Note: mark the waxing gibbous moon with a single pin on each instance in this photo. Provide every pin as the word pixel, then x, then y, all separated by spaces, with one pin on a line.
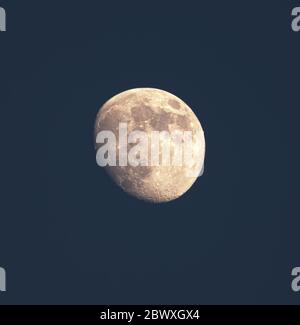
pixel 148 110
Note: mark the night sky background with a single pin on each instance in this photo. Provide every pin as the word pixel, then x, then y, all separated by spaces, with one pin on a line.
pixel 68 235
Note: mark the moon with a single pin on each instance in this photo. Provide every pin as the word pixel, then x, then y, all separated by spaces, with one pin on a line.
pixel 148 110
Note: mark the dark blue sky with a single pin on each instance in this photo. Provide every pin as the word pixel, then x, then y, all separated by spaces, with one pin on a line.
pixel 68 234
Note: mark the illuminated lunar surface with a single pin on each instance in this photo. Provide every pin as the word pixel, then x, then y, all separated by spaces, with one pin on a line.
pixel 150 109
